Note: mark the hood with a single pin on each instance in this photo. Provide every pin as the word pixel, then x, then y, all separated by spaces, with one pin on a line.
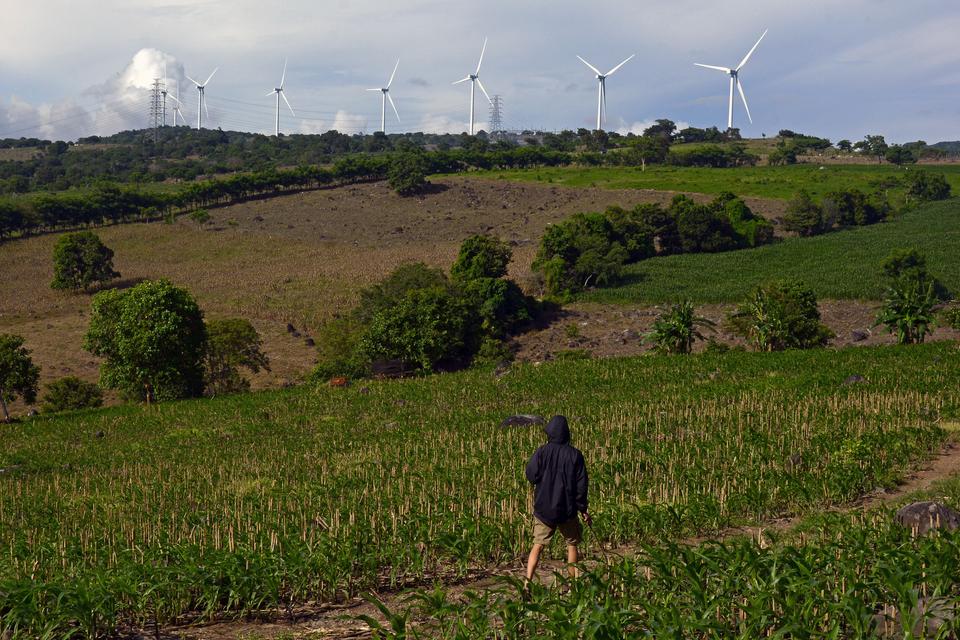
pixel 557 430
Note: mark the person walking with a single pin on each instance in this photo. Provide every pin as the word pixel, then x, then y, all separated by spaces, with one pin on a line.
pixel 559 475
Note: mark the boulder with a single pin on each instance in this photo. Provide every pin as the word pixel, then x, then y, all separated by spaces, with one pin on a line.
pixel 523 420
pixel 290 328
pixel 922 517
pixel 854 379
pixel 859 336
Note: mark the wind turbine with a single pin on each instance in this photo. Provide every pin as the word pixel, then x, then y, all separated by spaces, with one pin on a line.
pixel 474 79
pixel 386 96
pixel 202 104
pixel 176 109
pixel 280 93
pixel 735 82
pixel 602 88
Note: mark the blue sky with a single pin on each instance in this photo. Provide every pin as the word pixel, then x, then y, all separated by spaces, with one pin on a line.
pixel 832 68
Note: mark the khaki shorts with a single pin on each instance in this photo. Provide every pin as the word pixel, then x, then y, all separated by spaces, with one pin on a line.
pixel 571 531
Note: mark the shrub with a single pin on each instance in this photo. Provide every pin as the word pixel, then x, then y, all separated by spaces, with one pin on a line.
pixel 152 338
pixel 18 375
pixel 910 264
pixel 81 260
pixel 425 328
pixel 701 228
pixel 849 207
pixel 630 229
pixel 804 216
pixel 751 229
pixel 578 251
pixel 676 330
pixel 232 344
pixel 200 216
pixel 781 315
pixel 926 186
pixel 907 310
pixel 71 393
pixel 393 288
pixel 499 306
pixel 481 256
pixel 408 173
pixel 337 350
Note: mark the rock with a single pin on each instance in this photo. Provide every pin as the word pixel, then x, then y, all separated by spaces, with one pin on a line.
pixel 859 336
pixel 854 379
pixel 339 381
pixel 523 420
pixel 99 435
pixel 290 328
pixel 502 369
pixel 310 342
pixel 922 517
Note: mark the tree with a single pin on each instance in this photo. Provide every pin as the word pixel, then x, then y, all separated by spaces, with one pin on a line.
pixel 899 155
pixel 81 260
pixel 845 145
pixel 926 186
pixel 481 256
pixel 661 128
pixel 232 344
pixel 18 375
pixel 804 216
pixel 781 315
pixel 408 173
pixel 71 393
pixel 152 338
pixel 874 146
pixel 908 309
pixel 676 330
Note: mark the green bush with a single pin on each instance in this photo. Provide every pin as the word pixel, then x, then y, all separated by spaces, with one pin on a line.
pixel 152 339
pixel 426 328
pixel 781 315
pixel 232 344
pixel 804 216
pixel 911 297
pixel 70 393
pixel 499 306
pixel 676 330
pixel 403 279
pixel 702 229
pixel 751 230
pixel 18 375
pixel 481 256
pixel 925 186
pixel 577 252
pixel 408 173
pixel 851 207
pixel 81 260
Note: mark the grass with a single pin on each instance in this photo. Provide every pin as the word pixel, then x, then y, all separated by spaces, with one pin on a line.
pixel 762 182
pixel 237 504
pixel 841 265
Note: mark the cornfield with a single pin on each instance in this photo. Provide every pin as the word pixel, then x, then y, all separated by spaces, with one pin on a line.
pixel 226 507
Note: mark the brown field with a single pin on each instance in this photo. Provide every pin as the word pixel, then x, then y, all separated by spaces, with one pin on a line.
pixel 301 258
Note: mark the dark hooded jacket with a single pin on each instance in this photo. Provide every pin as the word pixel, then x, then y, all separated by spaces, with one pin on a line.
pixel 559 474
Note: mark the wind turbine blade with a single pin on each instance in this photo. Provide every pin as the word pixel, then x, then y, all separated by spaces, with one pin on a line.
pixel 750 53
pixel 192 80
pixel 176 100
pixel 205 110
pixel 270 93
pixel 164 74
pixel 612 71
pixel 592 68
pixel 481 55
pixel 457 82
pixel 374 89
pixel 390 81
pixel 390 98
pixel 480 84
pixel 284 76
pixel 284 96
pixel 603 102
pixel 210 76
pixel 710 66
pixel 744 98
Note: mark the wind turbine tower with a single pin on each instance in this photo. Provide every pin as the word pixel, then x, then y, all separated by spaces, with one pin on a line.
pixel 385 95
pixel 202 104
pixel 474 79
pixel 602 88
pixel 735 82
pixel 279 92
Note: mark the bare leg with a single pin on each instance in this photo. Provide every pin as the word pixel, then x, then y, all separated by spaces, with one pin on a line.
pixel 572 558
pixel 533 560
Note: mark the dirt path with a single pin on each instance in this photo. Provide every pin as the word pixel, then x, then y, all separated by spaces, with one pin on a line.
pixel 338 621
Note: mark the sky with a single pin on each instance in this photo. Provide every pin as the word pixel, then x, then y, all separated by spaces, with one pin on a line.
pixel 834 68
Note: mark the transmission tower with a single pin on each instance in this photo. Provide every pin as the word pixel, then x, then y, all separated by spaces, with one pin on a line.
pixel 156 109
pixel 496 116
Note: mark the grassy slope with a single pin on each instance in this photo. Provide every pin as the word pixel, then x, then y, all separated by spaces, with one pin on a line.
pixel 764 182
pixel 284 495
pixel 839 265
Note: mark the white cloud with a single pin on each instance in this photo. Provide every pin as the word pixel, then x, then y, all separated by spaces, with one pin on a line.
pixel 639 127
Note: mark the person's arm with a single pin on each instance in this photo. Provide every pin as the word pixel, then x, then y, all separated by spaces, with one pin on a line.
pixel 582 482
pixel 533 468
